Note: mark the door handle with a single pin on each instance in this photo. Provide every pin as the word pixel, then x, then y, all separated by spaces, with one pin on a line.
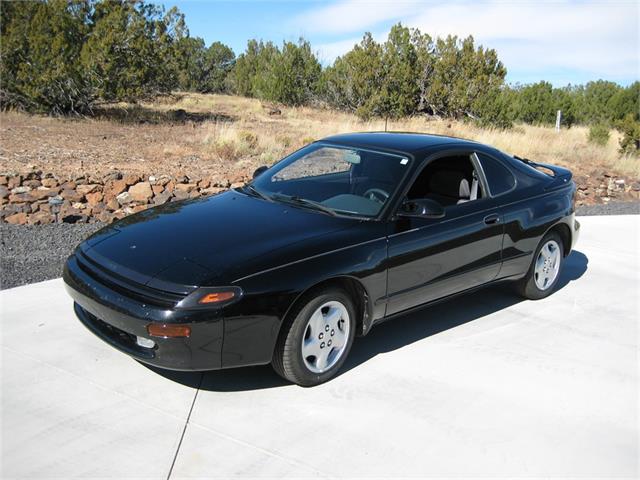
pixel 491 219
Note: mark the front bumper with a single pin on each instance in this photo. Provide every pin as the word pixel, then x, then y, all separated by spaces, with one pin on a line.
pixel 118 319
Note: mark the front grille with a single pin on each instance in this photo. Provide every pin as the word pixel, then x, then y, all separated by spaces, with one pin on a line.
pixel 125 286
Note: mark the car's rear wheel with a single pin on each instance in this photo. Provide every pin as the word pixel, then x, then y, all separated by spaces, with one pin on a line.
pixel 544 273
pixel 316 338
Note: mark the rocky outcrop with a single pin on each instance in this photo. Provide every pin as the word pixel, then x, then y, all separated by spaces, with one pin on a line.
pixel 38 198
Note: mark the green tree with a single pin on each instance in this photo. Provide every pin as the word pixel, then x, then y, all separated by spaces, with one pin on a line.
pixel 39 50
pixel 218 62
pixel 630 129
pixel 462 80
pixel 128 51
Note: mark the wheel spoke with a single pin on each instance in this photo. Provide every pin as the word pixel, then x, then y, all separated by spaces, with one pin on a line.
pixel 322 360
pixel 333 317
pixel 339 339
pixel 311 347
pixel 316 323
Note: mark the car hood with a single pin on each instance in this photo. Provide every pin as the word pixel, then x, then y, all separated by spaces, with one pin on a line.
pixel 212 241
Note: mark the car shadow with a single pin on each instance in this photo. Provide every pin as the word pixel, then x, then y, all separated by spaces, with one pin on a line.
pixel 386 337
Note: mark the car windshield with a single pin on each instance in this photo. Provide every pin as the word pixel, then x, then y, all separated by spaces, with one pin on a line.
pixel 334 180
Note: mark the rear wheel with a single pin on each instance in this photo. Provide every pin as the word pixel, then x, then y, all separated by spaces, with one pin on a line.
pixel 544 273
pixel 316 339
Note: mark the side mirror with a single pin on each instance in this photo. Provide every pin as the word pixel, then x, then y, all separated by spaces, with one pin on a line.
pixel 259 171
pixel 421 208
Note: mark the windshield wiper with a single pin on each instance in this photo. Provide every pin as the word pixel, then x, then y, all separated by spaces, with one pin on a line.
pixel 305 203
pixel 257 192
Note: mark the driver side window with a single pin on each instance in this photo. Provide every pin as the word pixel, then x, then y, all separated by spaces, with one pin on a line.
pixel 449 181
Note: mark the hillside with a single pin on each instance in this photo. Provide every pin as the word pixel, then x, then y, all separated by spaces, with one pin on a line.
pixel 196 144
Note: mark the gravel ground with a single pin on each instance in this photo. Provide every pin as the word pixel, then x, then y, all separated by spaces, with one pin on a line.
pixel 34 253
pixel 622 208
pixel 30 254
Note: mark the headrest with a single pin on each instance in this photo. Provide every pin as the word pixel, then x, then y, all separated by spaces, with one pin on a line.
pixel 448 183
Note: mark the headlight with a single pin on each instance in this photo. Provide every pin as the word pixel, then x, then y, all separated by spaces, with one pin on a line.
pixel 211 297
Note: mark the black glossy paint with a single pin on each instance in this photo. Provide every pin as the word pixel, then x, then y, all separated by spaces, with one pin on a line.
pixel 133 272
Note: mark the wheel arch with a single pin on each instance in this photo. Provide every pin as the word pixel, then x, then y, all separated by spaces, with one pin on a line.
pixel 352 285
pixel 564 231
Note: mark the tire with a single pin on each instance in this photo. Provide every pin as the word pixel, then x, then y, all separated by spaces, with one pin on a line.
pixel 307 332
pixel 541 279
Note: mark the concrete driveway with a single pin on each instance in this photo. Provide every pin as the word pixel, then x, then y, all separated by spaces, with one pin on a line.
pixel 486 385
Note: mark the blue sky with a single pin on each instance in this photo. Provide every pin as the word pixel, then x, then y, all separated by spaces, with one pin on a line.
pixel 560 41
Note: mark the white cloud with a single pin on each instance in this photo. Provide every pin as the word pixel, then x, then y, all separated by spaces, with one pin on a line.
pixel 352 15
pixel 597 38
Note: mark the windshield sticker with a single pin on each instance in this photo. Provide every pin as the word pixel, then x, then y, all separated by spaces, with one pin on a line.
pixel 404 161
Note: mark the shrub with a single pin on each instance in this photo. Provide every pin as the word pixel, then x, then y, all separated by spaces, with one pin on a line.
pixel 599 134
pixel 630 129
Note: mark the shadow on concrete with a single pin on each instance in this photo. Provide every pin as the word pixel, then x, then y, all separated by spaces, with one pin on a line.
pixel 401 331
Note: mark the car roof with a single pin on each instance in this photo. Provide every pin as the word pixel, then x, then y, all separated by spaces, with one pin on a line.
pixel 399 141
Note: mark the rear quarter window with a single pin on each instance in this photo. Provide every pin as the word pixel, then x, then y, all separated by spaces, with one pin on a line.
pixel 499 177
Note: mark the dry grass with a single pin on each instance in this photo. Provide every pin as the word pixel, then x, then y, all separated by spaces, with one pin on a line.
pixel 278 135
pixel 230 135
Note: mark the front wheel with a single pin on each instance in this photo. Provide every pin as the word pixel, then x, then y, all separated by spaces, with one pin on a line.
pixel 316 340
pixel 544 273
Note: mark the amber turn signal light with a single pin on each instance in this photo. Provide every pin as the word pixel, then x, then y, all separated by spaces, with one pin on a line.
pixel 216 297
pixel 168 330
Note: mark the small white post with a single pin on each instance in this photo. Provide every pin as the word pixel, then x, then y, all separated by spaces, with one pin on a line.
pixel 558 120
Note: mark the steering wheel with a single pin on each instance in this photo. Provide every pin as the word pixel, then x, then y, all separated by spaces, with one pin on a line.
pixel 376 194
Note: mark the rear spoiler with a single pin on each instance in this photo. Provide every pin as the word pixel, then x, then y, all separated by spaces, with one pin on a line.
pixel 560 176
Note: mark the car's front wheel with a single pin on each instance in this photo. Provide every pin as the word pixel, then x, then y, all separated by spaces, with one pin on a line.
pixel 544 273
pixel 316 338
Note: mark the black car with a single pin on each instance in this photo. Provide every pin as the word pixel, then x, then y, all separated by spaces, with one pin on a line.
pixel 344 233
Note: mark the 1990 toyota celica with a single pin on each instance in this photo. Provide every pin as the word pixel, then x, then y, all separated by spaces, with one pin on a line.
pixel 333 239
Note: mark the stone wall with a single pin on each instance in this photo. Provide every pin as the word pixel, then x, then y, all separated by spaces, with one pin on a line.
pixel 37 198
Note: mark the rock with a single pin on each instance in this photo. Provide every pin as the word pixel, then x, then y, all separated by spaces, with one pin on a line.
pixel 43 192
pixel 24 189
pixel 180 195
pixel 41 218
pixel 49 182
pixel 141 192
pixel 88 188
pixel 17 219
pixel 163 180
pixel 237 184
pixel 94 198
pixel 79 206
pixel 3 179
pixel 131 179
pixel 182 179
pixel 4 191
pixel 112 176
pixel 21 198
pixel 13 182
pixel 619 183
pixel 124 198
pixel 139 208
pixel 112 204
pixel 152 179
pixel 31 183
pixel 162 198
pixel 204 183
pixel 71 195
pixel 157 189
pixel 97 208
pixel 635 186
pixel 114 187
pixel 186 187
pixel 69 185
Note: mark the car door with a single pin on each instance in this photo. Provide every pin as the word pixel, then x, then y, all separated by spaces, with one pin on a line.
pixel 432 258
